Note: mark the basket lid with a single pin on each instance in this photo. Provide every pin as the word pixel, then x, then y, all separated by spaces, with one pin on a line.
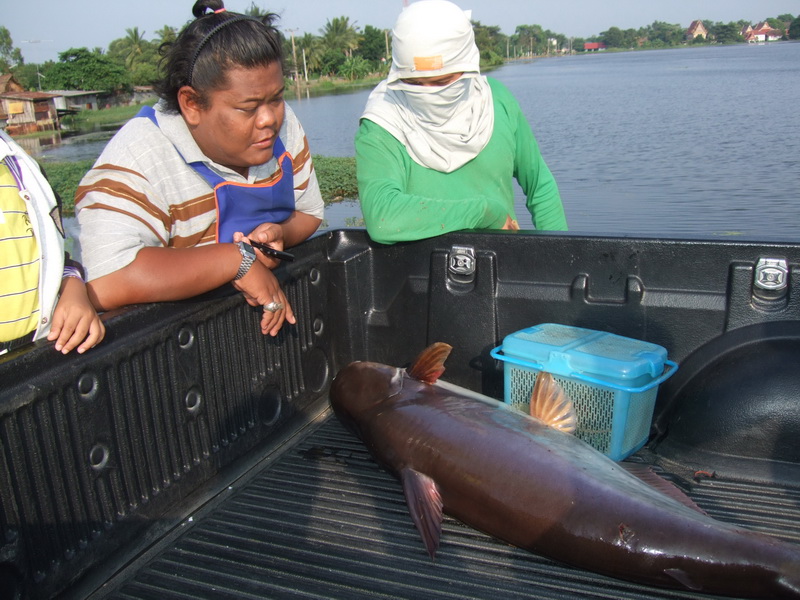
pixel 566 350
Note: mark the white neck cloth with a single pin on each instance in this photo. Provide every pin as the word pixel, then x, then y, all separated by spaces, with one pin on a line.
pixel 442 127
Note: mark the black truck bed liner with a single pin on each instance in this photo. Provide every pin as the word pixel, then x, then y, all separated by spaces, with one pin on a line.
pixel 188 456
pixel 321 520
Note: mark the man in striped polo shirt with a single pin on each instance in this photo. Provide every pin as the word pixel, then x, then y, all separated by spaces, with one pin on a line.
pixel 169 208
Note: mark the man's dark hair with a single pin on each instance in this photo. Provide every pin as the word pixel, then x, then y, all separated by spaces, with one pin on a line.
pixel 208 47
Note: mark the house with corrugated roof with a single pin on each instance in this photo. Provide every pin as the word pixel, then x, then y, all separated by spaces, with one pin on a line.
pixel 69 101
pixel 26 112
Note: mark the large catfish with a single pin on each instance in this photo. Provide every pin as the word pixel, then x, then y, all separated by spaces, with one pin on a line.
pixel 525 481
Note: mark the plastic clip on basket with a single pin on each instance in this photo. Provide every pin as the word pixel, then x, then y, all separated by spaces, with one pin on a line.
pixel 612 380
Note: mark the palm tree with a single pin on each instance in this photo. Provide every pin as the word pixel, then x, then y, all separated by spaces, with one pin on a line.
pixel 310 46
pixel 340 36
pixel 255 11
pixel 165 35
pixel 134 45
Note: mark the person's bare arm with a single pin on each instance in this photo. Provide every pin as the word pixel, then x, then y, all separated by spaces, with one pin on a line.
pixel 163 274
pixel 160 274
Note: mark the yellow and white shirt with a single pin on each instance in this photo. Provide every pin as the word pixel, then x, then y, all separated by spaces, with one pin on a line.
pixel 19 262
pixel 31 245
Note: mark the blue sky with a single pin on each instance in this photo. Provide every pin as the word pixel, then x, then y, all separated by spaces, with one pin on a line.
pixel 43 28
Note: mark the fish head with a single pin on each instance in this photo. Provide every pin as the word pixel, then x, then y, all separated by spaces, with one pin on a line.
pixel 360 388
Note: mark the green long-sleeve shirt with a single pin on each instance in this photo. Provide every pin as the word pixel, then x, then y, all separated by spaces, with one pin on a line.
pixel 402 200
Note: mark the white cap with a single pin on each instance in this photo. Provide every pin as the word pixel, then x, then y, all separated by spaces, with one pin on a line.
pixel 432 38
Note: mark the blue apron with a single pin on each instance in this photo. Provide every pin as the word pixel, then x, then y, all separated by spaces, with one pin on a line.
pixel 244 206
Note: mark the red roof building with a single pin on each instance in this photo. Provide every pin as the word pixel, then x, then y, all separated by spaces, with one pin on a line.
pixel 763 32
pixel 593 46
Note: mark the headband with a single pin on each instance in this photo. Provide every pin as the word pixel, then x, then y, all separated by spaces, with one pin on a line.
pixel 208 36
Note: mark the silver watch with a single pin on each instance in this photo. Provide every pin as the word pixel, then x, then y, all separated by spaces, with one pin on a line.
pixel 248 258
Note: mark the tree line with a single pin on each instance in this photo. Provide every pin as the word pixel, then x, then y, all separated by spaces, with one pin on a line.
pixel 660 35
pixel 341 50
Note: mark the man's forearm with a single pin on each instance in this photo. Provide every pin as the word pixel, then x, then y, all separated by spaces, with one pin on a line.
pixel 163 274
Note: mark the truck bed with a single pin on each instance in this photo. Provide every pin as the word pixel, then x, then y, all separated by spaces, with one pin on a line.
pixel 317 518
pixel 188 456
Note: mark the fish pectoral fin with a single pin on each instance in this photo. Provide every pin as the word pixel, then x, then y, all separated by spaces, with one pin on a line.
pixel 551 405
pixel 646 474
pixel 425 505
pixel 429 365
pixel 683 578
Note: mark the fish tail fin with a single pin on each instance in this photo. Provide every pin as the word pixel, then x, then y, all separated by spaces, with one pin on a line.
pixel 551 405
pixel 429 365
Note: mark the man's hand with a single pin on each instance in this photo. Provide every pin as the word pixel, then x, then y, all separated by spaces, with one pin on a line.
pixel 266 233
pixel 260 287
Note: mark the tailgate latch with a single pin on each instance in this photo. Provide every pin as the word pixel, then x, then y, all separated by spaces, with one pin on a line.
pixel 771 274
pixel 461 264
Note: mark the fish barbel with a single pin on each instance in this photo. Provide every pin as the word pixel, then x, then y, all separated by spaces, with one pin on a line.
pixel 523 480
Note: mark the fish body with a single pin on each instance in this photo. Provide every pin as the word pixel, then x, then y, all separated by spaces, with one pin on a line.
pixel 522 481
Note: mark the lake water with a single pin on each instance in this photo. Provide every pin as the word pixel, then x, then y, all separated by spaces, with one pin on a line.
pixel 700 141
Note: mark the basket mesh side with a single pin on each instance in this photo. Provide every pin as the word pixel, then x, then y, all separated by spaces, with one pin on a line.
pixel 594 409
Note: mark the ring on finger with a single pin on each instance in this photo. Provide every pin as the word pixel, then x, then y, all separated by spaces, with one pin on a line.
pixel 273 307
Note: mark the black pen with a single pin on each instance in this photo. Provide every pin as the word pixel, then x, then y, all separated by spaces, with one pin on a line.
pixel 269 251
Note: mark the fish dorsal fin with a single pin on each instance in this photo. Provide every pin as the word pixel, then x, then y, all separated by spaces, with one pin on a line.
pixel 425 505
pixel 551 405
pixel 429 365
pixel 655 481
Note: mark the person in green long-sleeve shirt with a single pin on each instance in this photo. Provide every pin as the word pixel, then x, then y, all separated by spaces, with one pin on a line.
pixel 439 145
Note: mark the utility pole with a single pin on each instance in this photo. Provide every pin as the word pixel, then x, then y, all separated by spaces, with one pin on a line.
pixel 294 55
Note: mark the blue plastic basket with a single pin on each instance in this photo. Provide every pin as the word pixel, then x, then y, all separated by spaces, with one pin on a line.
pixel 612 380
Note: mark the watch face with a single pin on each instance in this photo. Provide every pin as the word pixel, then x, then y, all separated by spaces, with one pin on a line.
pixel 247 249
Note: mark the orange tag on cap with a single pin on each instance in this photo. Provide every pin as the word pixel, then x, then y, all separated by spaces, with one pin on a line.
pixel 428 63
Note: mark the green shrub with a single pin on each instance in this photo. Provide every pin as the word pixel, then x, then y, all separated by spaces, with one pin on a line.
pixel 64 178
pixel 337 177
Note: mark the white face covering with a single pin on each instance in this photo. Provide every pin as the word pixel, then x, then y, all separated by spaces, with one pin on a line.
pixel 442 127
pixel 434 105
